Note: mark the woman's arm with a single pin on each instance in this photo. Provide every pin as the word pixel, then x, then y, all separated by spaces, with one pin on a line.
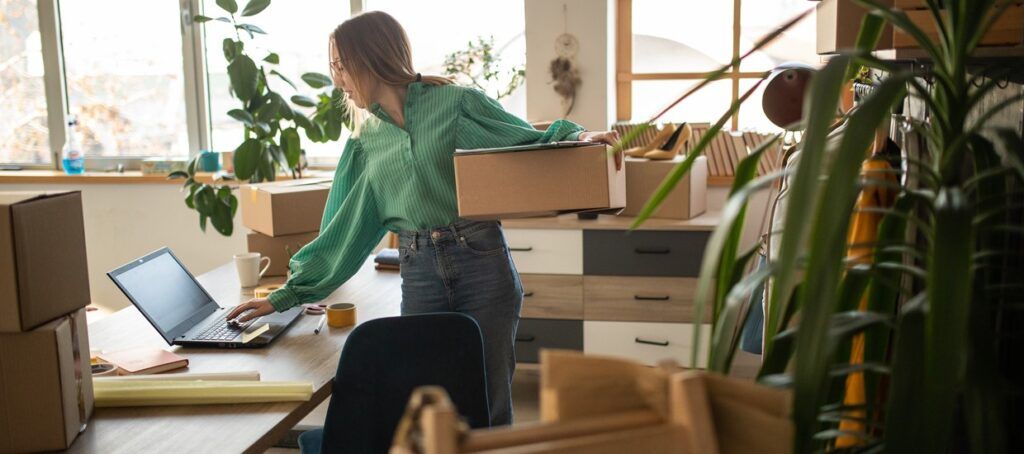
pixel 483 123
pixel 350 228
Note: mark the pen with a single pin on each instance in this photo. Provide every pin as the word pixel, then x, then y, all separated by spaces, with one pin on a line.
pixel 320 324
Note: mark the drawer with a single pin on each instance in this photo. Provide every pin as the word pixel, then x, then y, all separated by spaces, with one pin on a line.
pixel 541 251
pixel 534 334
pixel 643 252
pixel 640 299
pixel 552 296
pixel 648 343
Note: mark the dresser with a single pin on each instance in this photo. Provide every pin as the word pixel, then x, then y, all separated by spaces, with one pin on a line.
pixel 593 285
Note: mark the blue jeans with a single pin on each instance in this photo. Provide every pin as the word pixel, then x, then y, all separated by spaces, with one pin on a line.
pixel 466 267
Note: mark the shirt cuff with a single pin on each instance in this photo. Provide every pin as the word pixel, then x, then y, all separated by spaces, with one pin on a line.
pixel 574 136
pixel 283 299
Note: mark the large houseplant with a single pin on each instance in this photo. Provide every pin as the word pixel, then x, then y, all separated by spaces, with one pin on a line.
pixel 944 285
pixel 271 142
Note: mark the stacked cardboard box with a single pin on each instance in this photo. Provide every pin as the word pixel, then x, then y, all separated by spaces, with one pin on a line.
pixel 284 216
pixel 1006 30
pixel 45 377
pixel 537 180
pixel 838 22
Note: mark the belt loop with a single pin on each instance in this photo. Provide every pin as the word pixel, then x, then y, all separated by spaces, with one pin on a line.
pixel 415 240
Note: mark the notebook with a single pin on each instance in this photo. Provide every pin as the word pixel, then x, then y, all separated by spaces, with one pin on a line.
pixel 144 360
pixel 387 259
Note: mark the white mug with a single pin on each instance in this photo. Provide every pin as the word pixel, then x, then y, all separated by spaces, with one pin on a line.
pixel 248 265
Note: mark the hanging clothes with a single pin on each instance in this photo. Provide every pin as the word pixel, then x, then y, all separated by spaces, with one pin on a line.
pixel 879 194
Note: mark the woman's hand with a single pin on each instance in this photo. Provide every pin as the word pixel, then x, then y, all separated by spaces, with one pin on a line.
pixel 256 307
pixel 607 137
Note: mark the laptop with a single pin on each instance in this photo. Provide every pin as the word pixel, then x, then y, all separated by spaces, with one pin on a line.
pixel 183 312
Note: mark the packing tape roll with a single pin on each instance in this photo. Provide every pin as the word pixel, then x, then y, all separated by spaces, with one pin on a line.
pixel 341 315
pixel 264 291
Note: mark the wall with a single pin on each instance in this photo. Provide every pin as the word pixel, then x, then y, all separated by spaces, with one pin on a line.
pixel 593 24
pixel 125 221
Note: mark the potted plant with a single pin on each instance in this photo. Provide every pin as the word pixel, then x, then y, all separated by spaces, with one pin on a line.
pixel 941 287
pixel 271 142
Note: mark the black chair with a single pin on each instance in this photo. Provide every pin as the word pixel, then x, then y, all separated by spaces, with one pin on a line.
pixel 383 361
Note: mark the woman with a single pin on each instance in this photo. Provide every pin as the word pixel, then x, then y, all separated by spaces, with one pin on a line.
pixel 397 174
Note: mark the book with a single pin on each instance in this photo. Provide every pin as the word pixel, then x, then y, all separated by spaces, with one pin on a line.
pixel 387 257
pixel 144 360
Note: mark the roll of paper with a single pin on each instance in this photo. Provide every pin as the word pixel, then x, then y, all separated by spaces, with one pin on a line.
pixel 197 392
pixel 250 375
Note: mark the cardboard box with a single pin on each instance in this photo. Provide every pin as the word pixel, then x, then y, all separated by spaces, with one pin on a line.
pixel 284 207
pixel 688 199
pixel 1007 30
pixel 279 248
pixel 45 385
pixel 43 270
pixel 838 22
pixel 537 180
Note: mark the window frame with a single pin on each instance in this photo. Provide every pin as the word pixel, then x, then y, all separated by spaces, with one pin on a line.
pixel 194 70
pixel 624 75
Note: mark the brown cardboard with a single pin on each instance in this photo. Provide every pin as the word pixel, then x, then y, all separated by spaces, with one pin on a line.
pixel 46 392
pixel 838 22
pixel 43 269
pixel 688 199
pixel 1007 30
pixel 285 207
pixel 538 182
pixel 278 248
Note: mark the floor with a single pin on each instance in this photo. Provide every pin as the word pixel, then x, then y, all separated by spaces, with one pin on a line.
pixel 525 391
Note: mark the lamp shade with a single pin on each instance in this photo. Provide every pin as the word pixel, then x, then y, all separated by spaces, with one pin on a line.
pixel 783 98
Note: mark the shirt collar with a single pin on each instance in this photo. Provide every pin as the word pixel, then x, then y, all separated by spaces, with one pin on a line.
pixel 412 90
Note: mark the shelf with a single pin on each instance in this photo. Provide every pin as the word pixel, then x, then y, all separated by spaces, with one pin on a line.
pixel 127 177
pixel 980 53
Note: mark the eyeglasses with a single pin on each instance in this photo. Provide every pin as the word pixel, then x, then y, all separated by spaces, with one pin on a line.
pixel 336 65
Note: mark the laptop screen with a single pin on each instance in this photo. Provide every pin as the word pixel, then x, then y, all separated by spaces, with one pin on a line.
pixel 163 290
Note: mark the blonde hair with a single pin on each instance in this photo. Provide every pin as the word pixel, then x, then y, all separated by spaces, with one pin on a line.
pixel 373 46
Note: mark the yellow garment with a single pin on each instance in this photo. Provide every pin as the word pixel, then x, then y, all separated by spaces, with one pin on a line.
pixel 863 232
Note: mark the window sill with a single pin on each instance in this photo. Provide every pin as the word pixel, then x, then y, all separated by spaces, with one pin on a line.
pixel 127 177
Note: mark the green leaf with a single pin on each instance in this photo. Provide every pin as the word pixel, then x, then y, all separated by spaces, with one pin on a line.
pixel 315 132
pixel 905 430
pixel 199 19
pixel 231 48
pixel 242 116
pixel 254 7
pixel 302 121
pixel 285 79
pixel 333 124
pixel 244 77
pixel 252 29
pixel 304 101
pixel 247 157
pixel 871 28
pixel 177 174
pixel 317 80
pixel 949 299
pixel 228 5
pixel 268 111
pixel 272 58
pixel 291 144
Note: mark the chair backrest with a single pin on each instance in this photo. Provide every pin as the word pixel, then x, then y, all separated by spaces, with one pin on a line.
pixel 385 359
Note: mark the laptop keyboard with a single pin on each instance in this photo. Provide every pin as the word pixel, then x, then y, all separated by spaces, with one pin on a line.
pixel 221 330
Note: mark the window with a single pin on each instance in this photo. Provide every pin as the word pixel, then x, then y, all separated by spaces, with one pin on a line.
pixel 23 133
pixel 298 31
pixel 666 47
pixel 436 32
pixel 123 73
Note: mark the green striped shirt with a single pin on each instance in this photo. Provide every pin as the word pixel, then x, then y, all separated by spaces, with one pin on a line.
pixel 392 178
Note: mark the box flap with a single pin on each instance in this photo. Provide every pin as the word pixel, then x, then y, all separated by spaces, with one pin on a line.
pixel 530 147
pixel 11 198
pixel 279 187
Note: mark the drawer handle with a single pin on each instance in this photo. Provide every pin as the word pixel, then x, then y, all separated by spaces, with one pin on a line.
pixel 650 342
pixel 527 294
pixel 521 249
pixel 525 339
pixel 660 250
pixel 651 298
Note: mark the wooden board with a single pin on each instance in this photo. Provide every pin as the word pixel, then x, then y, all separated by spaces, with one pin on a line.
pixel 297 355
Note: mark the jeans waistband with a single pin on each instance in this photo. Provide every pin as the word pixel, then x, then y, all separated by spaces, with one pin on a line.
pixel 461 227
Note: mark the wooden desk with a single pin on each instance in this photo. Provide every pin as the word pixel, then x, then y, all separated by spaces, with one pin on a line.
pixel 297 355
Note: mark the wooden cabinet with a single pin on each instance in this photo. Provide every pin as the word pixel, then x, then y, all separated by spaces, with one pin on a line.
pixel 645 342
pixel 546 251
pixel 633 298
pixel 552 296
